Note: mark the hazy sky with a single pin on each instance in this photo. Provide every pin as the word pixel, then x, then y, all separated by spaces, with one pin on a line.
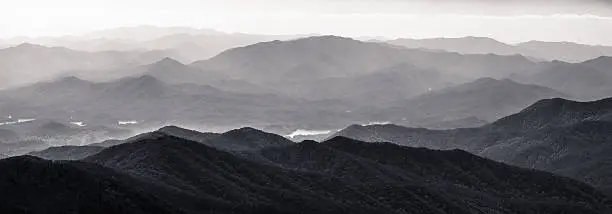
pixel 585 21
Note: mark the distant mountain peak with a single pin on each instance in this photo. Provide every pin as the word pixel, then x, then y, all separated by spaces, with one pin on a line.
pixel 147 78
pixel 309 142
pixel 486 80
pixel 338 140
pixel 145 84
pixel 143 80
pixel 478 37
pixel 254 138
pixel 27 45
pixel 25 159
pixel 324 40
pixel 602 63
pixel 169 63
pixel 489 82
pixel 241 132
pixel 606 58
pixel 185 133
pixel 170 128
pixel 319 40
pixel 328 37
pixel 73 80
pixel 553 103
pixel 557 112
pixel 483 39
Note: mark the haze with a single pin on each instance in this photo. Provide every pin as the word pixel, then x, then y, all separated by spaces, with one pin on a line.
pixel 508 21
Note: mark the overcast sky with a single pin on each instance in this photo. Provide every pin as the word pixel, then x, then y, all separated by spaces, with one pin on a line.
pixel 584 21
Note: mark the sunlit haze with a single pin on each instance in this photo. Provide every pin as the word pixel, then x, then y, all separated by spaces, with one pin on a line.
pixel 508 21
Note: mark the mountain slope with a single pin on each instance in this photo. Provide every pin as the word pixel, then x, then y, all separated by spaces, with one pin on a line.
pixel 206 173
pixel 602 63
pixel 174 72
pixel 465 45
pixel 557 113
pixel 237 140
pixel 166 174
pixel 400 81
pixel 196 169
pixel 584 81
pixel 487 99
pixel 563 51
pixel 34 185
pixel 328 56
pixel 561 136
pixel 378 163
pixel 67 152
pixel 243 139
pixel 51 62
pixel 125 99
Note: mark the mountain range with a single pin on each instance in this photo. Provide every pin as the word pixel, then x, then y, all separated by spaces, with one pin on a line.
pixel 565 137
pixel 126 98
pixel 589 80
pixel 539 50
pixel 288 83
pixel 183 43
pixel 17 63
pixel 170 174
pixel 331 56
pixel 103 104
pixel 307 67
pixel 465 125
pixel 485 99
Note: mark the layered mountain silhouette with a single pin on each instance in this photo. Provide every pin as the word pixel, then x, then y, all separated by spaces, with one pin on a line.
pixel 396 82
pixel 183 43
pixel 468 122
pixel 465 125
pixel 566 51
pixel 561 136
pixel 174 72
pixel 242 139
pixel 19 68
pixel 41 134
pixel 170 174
pixel 563 51
pixel 67 152
pixel 192 47
pixel 287 81
pixel 330 56
pixel 21 147
pixel 465 45
pixel 145 98
pixel 46 128
pixel 486 99
pixel 237 140
pixel 589 80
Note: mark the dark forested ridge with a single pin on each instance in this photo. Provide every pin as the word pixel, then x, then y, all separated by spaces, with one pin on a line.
pixel 165 173
pixel 557 135
pixel 34 185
